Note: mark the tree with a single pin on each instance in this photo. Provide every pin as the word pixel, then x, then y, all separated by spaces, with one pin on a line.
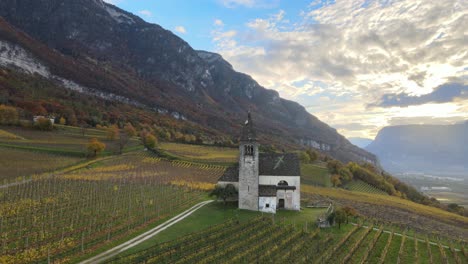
pixel 340 216
pixel 334 165
pixel 123 140
pixel 304 157
pixel 62 121
pixel 44 124
pixel 313 155
pixel 335 179
pixel 130 130
pixel 224 193
pixel 112 132
pixel 150 141
pixel 95 147
pixel 8 115
pixel 345 174
pixel 350 211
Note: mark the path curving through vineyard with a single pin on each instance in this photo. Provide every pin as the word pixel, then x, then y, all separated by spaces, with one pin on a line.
pixel 145 236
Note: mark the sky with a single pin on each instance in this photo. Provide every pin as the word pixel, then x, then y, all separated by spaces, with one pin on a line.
pixel 358 65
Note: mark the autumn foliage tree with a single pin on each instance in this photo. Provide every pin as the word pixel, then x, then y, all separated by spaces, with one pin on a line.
pixel 150 141
pixel 130 130
pixel 8 115
pixel 95 146
pixel 112 132
pixel 335 179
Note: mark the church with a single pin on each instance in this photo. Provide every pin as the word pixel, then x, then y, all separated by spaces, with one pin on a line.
pixel 265 182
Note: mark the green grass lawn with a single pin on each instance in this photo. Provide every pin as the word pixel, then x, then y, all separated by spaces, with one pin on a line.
pixel 315 175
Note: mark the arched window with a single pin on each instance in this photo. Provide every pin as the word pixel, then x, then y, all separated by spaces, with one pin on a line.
pixel 283 183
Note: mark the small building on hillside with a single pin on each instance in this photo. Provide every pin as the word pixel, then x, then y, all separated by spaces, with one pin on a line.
pixel 36 119
pixel 265 181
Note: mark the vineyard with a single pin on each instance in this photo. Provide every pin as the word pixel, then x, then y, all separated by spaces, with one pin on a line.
pixel 313 174
pixel 360 186
pixel 263 240
pixel 61 216
pixel 201 153
pixel 15 164
pixel 64 140
pixel 425 219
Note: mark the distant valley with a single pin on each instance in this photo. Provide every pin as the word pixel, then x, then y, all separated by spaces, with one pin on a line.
pixel 430 149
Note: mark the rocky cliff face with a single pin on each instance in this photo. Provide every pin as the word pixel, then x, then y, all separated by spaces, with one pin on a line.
pixel 107 49
pixel 423 148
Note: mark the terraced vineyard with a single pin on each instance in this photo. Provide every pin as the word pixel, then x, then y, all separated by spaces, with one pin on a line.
pixel 61 216
pixel 360 186
pixel 201 153
pixel 262 240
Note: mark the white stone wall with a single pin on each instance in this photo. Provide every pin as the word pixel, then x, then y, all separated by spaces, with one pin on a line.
pixel 292 198
pixel 264 201
pixel 248 179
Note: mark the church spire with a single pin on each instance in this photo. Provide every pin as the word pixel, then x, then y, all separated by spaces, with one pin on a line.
pixel 248 131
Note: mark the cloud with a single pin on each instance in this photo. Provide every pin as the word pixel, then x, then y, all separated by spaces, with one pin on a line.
pixel 250 3
pixel 359 51
pixel 218 22
pixel 443 94
pixel 146 13
pixel 180 29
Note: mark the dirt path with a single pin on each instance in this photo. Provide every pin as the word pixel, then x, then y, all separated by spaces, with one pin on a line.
pixel 145 236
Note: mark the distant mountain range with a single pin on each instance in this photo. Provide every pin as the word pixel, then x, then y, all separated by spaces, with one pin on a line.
pixel 97 49
pixel 434 149
pixel 360 142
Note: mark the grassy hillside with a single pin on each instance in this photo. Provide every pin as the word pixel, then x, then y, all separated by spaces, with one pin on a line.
pixel 82 207
pixel 312 174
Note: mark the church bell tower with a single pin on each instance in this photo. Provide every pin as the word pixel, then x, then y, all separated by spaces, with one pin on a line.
pixel 248 167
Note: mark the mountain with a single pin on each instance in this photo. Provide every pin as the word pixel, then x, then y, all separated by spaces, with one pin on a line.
pixel 97 49
pixel 435 149
pixel 360 142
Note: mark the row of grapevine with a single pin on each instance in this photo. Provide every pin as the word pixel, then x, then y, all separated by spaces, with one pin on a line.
pixel 262 240
pixel 56 217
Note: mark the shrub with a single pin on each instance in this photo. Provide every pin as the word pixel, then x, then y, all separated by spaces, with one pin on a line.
pixel 8 115
pixel 149 140
pixel 44 124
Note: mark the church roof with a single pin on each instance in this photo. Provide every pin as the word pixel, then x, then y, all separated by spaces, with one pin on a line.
pixel 279 164
pixel 248 131
pixel 231 174
pixel 267 190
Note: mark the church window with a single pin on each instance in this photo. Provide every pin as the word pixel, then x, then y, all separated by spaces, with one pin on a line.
pixel 283 183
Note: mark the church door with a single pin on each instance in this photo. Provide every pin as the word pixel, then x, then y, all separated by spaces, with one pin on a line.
pixel 281 204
